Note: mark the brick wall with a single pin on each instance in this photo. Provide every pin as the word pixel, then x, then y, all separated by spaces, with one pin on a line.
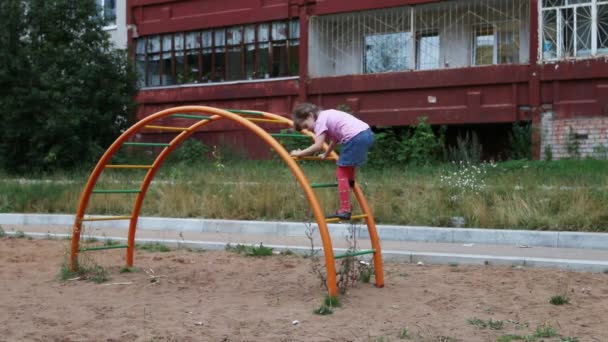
pixel 564 137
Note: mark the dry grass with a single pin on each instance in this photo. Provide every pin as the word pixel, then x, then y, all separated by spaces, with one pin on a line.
pixel 565 195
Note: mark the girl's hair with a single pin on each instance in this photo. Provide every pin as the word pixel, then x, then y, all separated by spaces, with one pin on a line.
pixel 301 113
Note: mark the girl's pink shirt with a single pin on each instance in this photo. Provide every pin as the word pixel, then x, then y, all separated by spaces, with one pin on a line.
pixel 339 126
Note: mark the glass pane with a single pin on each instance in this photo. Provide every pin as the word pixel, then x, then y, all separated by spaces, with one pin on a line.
pixel 234 66
pixel 567 32
pixel 207 39
pixel 427 51
pixel 191 67
pixel 279 30
pixel 234 36
pixel 263 33
pixel 250 61
pixel 386 52
pixel 180 75
pixel 294 57
pixel 552 3
pixel 153 44
pixel 484 46
pixel 178 41
pixel 140 67
pixel 279 59
pixel 583 31
pixel 602 29
pixel 508 43
pixel 207 65
pixel 219 65
pixel 168 75
pixel 263 61
pixel 220 37
pixel 549 41
pixel 141 45
pixel 294 29
pixel 249 34
pixel 153 71
pixel 193 40
pixel 167 44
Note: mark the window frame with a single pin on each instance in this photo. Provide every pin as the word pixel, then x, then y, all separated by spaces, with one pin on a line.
pixel 560 27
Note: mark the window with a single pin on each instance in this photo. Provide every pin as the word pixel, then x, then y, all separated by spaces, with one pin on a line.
pixel 387 52
pixel 235 53
pixel 427 50
pixel 574 28
pixel 484 46
pixel 107 11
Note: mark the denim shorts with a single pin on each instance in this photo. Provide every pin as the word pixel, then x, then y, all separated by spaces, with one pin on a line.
pixel 354 151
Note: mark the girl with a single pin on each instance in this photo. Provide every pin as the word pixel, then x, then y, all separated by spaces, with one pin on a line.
pixel 336 127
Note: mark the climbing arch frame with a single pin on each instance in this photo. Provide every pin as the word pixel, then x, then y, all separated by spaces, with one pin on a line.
pixel 203 115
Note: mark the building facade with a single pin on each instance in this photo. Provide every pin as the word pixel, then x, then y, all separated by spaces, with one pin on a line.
pixel 462 62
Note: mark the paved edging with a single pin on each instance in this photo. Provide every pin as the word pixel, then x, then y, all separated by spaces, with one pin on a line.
pixel 386 232
pixel 403 256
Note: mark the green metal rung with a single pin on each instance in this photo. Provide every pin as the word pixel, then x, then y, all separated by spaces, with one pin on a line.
pixel 365 251
pixel 118 191
pixel 189 116
pixel 288 135
pixel 248 112
pixel 145 144
pixel 102 248
pixel 324 185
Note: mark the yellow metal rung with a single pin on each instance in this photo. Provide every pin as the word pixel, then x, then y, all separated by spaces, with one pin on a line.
pixel 109 218
pixel 354 217
pixel 267 120
pixel 167 128
pixel 128 166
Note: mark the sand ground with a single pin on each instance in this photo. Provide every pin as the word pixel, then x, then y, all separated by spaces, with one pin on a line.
pixel 223 296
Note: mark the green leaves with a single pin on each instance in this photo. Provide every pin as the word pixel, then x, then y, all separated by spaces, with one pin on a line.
pixel 66 93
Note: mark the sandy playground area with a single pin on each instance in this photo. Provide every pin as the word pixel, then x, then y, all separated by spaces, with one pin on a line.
pixel 223 296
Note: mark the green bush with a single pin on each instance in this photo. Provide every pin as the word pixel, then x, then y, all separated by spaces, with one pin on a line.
pixel 191 152
pixel 520 141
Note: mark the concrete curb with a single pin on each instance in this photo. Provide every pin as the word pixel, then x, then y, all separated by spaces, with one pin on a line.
pixel 387 232
pixel 412 257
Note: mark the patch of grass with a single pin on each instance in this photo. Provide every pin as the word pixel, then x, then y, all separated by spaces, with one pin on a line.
pixel 19 234
pixel 260 250
pixel 153 247
pixel 509 338
pixel 2 232
pixel 332 301
pixel 94 273
pixel 545 331
pixel 127 269
pixel 110 242
pixel 559 300
pixel 481 324
pixel 404 334
pixel 323 310
pixel 569 339
pixel 91 239
pixel 365 274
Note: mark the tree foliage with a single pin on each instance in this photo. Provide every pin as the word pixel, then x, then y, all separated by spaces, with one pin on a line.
pixel 65 92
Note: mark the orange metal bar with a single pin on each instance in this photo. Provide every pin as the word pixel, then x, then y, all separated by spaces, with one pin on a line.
pixel 115 166
pixel 167 128
pixel 373 235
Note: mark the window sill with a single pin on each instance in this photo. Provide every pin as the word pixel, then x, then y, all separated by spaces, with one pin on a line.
pixel 215 84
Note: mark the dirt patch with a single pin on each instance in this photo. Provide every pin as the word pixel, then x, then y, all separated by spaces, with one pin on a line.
pixel 223 296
